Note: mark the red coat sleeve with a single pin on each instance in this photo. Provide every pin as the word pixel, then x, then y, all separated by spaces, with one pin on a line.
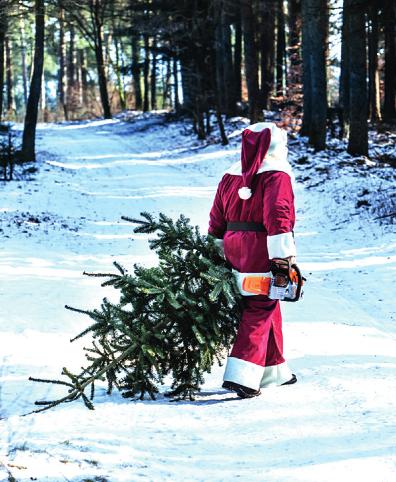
pixel 279 214
pixel 217 222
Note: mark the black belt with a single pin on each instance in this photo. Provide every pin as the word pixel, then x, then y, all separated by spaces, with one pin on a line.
pixel 245 226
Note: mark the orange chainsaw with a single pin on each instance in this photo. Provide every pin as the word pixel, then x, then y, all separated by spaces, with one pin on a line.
pixel 285 282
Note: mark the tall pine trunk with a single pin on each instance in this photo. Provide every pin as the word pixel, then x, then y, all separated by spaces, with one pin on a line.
pixel 23 59
pixel 146 68
pixel 62 65
pixel 280 48
pixel 251 62
pixel 267 51
pixel 153 77
pixel 29 131
pixel 344 76
pixel 315 19
pixel 104 95
pixel 228 66
pixel 238 53
pixel 389 13
pixel 307 60
pixel 84 77
pixel 2 41
pixel 136 72
pixel 9 77
pixel 374 82
pixel 118 66
pixel 358 135
pixel 176 86
pixel 293 78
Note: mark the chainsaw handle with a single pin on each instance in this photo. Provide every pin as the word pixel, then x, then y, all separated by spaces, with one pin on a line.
pixel 300 281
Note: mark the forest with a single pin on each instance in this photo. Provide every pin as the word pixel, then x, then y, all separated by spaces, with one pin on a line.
pixel 327 66
pixel 121 123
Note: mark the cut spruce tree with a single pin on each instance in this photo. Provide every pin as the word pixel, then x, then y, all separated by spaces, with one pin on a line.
pixel 175 319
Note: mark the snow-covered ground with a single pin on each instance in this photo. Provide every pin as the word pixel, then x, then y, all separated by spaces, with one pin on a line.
pixel 337 423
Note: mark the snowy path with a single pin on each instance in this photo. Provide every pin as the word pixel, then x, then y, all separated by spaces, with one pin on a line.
pixel 337 423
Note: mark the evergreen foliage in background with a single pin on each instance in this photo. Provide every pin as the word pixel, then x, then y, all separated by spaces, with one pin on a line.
pixel 176 318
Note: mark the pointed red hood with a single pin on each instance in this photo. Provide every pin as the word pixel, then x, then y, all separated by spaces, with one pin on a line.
pixel 255 146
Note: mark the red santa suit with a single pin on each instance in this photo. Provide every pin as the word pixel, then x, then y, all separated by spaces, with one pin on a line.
pixel 253 213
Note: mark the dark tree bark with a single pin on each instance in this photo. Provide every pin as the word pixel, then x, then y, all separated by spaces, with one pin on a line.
pixel 238 53
pixel 344 76
pixel 186 71
pixel 293 78
pixel 23 59
pixel 221 87
pixel 29 131
pixel 267 51
pixel 84 77
pixel 374 84
pixel 118 66
pixel 9 77
pixel 71 62
pixel 62 64
pixel 358 135
pixel 2 41
pixel 224 61
pixel 280 48
pixel 389 13
pixel 153 77
pixel 146 68
pixel 166 84
pixel 307 60
pixel 251 62
pixel 104 95
pixel 228 63
pixel 316 19
pixel 136 72
pixel 176 86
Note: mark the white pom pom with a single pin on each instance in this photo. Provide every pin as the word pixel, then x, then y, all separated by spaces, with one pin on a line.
pixel 245 192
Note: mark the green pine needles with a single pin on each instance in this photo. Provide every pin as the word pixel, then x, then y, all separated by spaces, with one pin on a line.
pixel 175 319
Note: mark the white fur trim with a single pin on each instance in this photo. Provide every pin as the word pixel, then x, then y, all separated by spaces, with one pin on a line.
pixel 260 126
pixel 239 277
pixel 243 372
pixel 281 246
pixel 245 193
pixel 270 163
pixel 275 375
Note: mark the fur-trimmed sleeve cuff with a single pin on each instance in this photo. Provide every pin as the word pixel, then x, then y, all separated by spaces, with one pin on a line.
pixel 281 245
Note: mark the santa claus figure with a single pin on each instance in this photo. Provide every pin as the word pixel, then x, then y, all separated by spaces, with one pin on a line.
pixel 253 216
